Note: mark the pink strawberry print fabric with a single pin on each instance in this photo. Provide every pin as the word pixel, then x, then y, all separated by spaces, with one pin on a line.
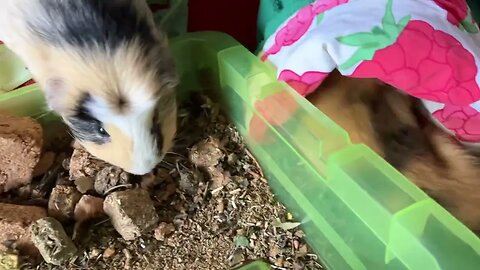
pixel 429 49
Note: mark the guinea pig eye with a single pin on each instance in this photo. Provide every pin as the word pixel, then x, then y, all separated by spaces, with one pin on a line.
pixel 102 131
pixel 85 126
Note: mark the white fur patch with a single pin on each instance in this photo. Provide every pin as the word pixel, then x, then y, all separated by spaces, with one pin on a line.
pixel 136 124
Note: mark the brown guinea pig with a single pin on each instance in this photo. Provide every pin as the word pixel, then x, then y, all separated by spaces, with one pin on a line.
pixel 398 128
pixel 105 69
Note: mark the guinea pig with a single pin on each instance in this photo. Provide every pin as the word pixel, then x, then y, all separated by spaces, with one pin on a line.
pixel 399 129
pixel 105 68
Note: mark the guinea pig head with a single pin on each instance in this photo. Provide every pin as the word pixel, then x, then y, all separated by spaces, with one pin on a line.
pixel 120 106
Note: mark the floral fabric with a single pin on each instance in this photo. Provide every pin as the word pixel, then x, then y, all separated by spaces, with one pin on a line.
pixel 427 48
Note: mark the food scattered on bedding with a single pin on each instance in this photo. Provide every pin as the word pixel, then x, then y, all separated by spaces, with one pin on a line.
pixel 89 207
pixel 82 164
pixel 84 184
pixel 62 202
pixel 15 222
pixel 9 261
pixel 131 212
pixel 20 148
pixel 163 230
pixel 110 177
pixel 46 162
pixel 206 206
pixel 52 241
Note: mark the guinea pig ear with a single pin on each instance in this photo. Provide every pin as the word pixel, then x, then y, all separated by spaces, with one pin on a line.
pixel 171 80
pixel 55 90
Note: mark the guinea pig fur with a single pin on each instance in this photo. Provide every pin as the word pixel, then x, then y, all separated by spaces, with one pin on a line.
pixel 105 69
pixel 398 128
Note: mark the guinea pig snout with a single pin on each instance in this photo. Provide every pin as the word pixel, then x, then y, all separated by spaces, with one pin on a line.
pixel 144 165
pixel 135 152
pixel 148 150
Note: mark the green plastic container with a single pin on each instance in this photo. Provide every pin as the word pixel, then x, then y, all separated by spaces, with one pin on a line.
pixel 356 210
pixel 12 70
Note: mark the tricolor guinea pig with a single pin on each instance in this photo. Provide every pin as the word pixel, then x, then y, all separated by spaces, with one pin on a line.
pixel 105 69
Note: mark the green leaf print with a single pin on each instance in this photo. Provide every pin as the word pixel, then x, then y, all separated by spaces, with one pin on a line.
pixel 358 39
pixel 358 56
pixel 378 31
pixel 379 38
pixel 320 18
pixel 468 24
pixel 388 21
pixel 403 22
pixel 469 27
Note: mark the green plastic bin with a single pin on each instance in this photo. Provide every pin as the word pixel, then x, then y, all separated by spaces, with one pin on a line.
pixel 357 211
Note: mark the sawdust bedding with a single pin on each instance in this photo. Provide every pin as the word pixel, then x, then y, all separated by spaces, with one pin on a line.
pixel 215 207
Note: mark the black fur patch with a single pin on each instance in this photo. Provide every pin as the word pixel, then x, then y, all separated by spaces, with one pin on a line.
pixel 157 130
pixel 86 23
pixel 84 126
pixel 424 122
pixel 400 141
pixel 121 103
